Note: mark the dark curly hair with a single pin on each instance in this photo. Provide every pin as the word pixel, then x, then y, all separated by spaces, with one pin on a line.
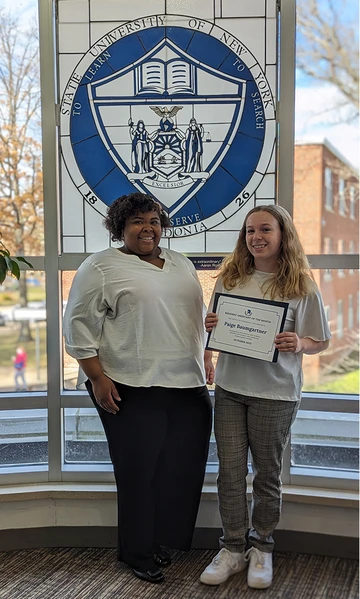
pixel 130 205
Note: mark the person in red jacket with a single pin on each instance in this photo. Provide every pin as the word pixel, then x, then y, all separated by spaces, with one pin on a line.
pixel 19 361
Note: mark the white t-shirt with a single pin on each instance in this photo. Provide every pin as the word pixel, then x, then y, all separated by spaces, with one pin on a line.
pixel 283 379
pixel 144 323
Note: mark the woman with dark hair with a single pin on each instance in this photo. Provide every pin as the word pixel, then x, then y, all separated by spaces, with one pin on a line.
pixel 134 322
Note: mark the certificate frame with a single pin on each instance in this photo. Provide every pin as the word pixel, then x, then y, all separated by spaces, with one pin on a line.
pixel 247 326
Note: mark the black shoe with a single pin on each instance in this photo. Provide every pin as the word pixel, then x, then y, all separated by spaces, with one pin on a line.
pixel 152 575
pixel 162 558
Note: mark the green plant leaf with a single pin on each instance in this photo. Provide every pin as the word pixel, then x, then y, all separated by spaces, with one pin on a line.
pixel 3 269
pixel 21 259
pixel 9 263
pixel 15 269
pixel 4 249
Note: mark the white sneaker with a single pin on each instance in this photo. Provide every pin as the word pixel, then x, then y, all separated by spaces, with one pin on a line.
pixel 260 570
pixel 224 565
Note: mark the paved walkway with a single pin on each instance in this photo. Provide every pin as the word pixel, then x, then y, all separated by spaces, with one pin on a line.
pixel 36 381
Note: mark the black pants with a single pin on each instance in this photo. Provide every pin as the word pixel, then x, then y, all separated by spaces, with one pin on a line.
pixel 158 443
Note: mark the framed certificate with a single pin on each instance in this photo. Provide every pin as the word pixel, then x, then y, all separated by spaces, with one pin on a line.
pixel 247 326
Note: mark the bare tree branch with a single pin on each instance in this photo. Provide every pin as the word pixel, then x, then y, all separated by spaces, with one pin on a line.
pixel 20 148
pixel 328 48
pixel 21 198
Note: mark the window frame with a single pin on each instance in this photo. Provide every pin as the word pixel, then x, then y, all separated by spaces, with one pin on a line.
pixel 340 318
pixel 350 312
pixel 53 263
pixel 341 250
pixel 329 188
pixel 351 251
pixel 327 309
pixel 342 201
pixel 352 202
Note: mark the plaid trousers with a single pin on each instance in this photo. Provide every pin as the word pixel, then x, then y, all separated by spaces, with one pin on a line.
pixel 263 425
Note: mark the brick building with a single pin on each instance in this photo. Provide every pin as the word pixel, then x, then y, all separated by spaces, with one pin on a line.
pixel 326 215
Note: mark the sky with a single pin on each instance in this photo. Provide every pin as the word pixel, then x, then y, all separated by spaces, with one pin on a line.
pixel 316 115
pixel 26 7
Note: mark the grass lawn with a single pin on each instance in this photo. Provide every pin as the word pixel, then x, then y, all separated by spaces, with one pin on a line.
pixel 11 297
pixel 345 383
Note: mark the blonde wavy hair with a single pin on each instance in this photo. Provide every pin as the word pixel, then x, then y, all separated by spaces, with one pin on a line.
pixel 293 277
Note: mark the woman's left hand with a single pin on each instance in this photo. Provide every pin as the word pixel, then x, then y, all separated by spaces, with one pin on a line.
pixel 288 342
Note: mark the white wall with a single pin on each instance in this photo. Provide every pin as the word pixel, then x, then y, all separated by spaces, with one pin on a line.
pixel 76 508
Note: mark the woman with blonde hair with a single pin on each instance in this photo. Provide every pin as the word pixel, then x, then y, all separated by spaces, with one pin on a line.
pixel 256 401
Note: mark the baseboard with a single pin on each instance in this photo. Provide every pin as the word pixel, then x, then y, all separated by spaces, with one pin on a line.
pixel 204 538
pixel 292 541
pixel 58 536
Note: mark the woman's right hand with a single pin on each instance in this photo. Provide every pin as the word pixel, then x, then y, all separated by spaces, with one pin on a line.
pixel 105 393
pixel 210 321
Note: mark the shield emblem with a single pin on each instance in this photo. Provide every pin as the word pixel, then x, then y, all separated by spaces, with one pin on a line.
pixel 167 120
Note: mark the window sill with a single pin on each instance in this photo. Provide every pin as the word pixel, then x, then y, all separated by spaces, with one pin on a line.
pixel 86 491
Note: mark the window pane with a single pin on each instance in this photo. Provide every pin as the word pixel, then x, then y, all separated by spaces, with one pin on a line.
pixel 352 200
pixel 325 440
pixel 23 333
pixel 70 365
pixel 85 440
pixel 71 371
pixel 316 211
pixel 23 437
pixel 342 203
pixel 21 188
pixel 213 459
pixel 337 369
pixel 328 189
pixel 326 179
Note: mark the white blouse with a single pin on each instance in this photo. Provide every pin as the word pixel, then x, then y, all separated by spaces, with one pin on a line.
pixel 283 379
pixel 144 323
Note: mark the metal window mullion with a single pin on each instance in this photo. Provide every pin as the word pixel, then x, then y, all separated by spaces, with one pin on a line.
pixel 71 261
pixel 347 404
pixel 23 475
pixel 38 263
pixel 35 401
pixel 334 261
pixel 317 261
pixel 285 477
pixel 79 400
pixel 88 476
pixel 286 113
pixel 49 150
pixel 307 477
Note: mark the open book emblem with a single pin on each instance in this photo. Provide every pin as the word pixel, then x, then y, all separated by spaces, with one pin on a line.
pixel 167 121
